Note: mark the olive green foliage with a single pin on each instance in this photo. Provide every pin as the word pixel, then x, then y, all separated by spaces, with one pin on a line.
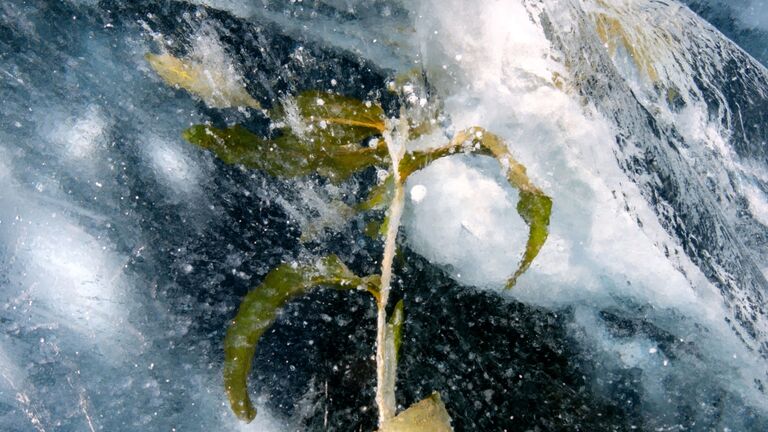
pixel 535 209
pixel 319 133
pixel 285 156
pixel 325 134
pixel 534 206
pixel 395 325
pixel 259 310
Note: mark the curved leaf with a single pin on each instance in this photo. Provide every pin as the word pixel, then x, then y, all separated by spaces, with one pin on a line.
pixel 535 210
pixel 534 206
pixel 330 121
pixel 261 307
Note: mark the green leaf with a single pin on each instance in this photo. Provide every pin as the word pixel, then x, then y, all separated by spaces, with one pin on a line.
pixel 429 415
pixel 395 326
pixel 328 121
pixel 321 133
pixel 287 155
pixel 345 117
pixel 534 206
pixel 535 210
pixel 261 307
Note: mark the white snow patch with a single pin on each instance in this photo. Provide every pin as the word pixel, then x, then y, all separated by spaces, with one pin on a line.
pixel 758 203
pixel 467 222
pixel 172 166
pixel 81 136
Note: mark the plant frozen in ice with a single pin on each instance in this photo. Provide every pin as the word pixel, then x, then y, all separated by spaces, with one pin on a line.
pixel 336 136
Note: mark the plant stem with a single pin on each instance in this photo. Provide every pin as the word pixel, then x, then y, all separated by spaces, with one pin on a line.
pixel 386 365
pixel 385 356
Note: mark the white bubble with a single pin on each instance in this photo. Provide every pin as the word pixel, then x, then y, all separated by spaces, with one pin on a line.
pixel 418 193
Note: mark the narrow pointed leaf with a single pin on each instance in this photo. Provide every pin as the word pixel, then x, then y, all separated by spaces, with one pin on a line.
pixel 535 210
pixel 215 87
pixel 332 121
pixel 260 309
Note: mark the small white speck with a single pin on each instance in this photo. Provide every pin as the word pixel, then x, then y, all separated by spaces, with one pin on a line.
pixel 17 124
pixel 458 57
pixel 653 350
pixel 418 193
pixel 320 102
pixel 368 104
pixel 334 82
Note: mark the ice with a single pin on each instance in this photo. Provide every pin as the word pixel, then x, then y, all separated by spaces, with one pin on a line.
pixel 751 14
pixel 418 192
pixel 745 21
pixel 80 137
pixel 567 148
pixel 462 218
pixel 178 171
pixel 124 250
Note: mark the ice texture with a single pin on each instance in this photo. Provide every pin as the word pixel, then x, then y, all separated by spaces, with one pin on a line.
pixel 465 220
pixel 124 250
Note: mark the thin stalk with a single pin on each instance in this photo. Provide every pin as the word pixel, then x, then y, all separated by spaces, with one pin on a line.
pixel 385 352
pixel 385 356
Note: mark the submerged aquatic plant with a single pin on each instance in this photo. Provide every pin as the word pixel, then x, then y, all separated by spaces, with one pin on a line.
pixel 336 136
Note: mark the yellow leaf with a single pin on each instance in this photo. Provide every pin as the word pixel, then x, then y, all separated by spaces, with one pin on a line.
pixel 217 88
pixel 429 415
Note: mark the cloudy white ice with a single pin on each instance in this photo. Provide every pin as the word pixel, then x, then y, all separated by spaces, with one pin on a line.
pixel 87 341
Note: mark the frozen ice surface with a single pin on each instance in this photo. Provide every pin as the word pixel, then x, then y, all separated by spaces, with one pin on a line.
pixel 462 218
pixel 744 21
pixel 124 250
